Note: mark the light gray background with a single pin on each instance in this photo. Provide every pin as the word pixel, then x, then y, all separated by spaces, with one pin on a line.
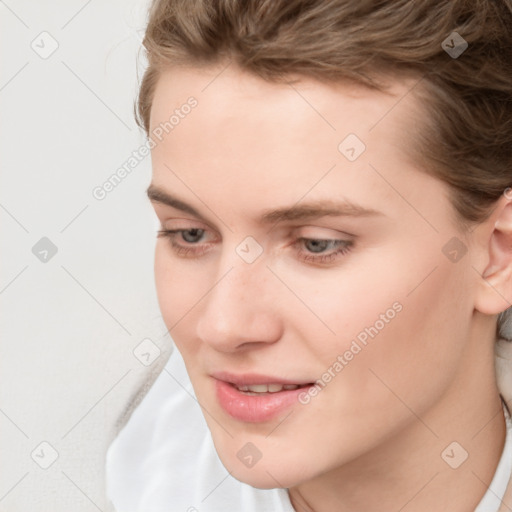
pixel 70 324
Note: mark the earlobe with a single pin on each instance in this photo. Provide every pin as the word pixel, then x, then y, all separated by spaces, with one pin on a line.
pixel 495 288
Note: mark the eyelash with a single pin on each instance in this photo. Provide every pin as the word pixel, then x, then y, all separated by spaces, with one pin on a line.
pixel 345 246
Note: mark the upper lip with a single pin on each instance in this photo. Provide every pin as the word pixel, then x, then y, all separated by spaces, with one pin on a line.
pixel 248 379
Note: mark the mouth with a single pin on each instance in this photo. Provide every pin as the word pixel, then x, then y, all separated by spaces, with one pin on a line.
pixel 265 389
pixel 256 403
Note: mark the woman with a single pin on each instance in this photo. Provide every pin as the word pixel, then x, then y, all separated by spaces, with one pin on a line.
pixel 331 181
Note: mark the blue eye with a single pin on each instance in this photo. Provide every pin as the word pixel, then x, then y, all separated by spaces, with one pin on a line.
pixel 190 236
pixel 316 250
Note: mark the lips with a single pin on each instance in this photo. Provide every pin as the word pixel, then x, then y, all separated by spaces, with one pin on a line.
pixel 266 388
pixel 249 379
pixel 256 398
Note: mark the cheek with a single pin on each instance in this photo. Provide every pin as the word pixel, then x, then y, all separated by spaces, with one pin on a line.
pixel 178 287
pixel 341 304
pixel 402 314
pixel 406 363
pixel 416 353
pixel 164 282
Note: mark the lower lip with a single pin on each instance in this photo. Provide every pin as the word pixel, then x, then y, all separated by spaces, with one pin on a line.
pixel 255 408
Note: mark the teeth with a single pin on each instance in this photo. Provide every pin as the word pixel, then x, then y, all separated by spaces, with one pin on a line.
pixel 267 388
pixel 272 388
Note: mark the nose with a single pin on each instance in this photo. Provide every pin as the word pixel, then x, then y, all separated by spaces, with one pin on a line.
pixel 240 310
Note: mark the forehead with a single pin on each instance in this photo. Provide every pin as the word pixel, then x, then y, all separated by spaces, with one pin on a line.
pixel 250 138
pixel 225 91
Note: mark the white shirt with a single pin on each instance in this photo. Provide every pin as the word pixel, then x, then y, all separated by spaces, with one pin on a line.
pixel 164 459
pixel 492 499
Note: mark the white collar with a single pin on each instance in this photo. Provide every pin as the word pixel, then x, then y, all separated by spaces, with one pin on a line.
pixel 492 499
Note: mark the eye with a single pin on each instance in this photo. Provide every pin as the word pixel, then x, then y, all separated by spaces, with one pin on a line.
pixel 190 236
pixel 190 243
pixel 317 250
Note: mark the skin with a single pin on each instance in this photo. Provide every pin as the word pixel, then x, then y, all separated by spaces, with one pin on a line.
pixel 372 438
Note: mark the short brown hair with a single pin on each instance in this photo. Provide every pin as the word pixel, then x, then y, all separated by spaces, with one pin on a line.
pixel 466 138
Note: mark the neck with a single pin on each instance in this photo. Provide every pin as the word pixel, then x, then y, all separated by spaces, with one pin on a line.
pixel 413 470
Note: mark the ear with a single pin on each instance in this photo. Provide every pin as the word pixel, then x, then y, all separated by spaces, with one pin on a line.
pixel 494 293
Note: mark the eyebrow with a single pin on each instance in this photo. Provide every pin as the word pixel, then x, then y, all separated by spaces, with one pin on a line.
pixel 305 211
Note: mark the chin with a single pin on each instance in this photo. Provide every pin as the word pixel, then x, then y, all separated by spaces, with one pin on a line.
pixel 259 478
pixel 269 472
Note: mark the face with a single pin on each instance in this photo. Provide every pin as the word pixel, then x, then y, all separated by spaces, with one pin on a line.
pixel 297 253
